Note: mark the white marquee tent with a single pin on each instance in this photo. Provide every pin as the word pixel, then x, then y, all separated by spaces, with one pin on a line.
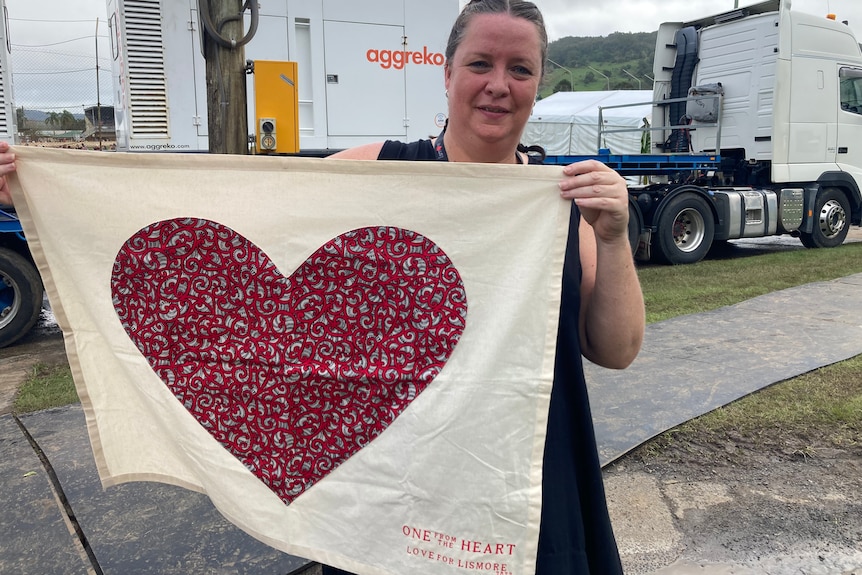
pixel 566 123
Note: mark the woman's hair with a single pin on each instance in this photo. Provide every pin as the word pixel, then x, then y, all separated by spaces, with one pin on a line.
pixel 517 8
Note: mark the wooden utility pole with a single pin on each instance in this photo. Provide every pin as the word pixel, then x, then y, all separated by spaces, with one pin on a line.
pixel 227 119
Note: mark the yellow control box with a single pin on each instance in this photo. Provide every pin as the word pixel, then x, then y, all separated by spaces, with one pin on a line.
pixel 276 107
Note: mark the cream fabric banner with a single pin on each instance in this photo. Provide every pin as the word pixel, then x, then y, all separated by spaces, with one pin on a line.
pixel 353 360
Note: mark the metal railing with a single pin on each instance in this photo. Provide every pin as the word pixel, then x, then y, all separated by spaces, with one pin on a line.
pixel 668 129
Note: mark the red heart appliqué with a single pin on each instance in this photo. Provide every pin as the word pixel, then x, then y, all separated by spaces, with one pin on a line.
pixel 292 375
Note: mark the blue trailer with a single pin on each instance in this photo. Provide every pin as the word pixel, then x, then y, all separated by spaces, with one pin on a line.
pixel 680 236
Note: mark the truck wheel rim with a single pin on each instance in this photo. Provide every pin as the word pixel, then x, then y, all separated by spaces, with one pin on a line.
pixel 832 218
pixel 9 304
pixel 688 230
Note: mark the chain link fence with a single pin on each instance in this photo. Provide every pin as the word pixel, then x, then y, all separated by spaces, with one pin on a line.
pixel 61 87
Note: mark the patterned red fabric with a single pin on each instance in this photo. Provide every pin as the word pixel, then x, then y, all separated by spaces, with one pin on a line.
pixel 292 375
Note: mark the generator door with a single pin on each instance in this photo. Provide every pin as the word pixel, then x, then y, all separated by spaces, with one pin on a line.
pixel 365 91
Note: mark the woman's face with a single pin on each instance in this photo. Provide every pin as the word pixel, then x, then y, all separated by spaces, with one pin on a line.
pixel 493 77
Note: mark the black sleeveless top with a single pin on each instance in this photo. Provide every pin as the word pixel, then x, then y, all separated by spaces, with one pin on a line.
pixel 575 535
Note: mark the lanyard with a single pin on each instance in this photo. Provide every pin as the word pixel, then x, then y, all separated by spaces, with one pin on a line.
pixel 442 156
pixel 440 148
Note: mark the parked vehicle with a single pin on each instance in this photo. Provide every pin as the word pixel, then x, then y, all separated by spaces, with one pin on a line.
pixel 756 131
pixel 20 284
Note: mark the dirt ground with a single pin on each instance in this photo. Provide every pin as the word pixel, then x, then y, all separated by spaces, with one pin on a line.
pixel 780 504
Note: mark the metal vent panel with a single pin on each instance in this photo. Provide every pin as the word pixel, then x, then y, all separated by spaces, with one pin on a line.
pixel 4 120
pixel 146 68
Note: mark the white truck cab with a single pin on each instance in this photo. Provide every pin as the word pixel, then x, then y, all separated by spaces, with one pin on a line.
pixel 787 128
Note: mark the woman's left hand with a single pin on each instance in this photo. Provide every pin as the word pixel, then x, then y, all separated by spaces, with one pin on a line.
pixel 611 318
pixel 7 166
pixel 601 195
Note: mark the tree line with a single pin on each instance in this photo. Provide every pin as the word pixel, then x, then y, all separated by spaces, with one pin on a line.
pixel 64 120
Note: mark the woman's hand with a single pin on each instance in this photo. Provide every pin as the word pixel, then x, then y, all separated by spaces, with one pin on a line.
pixel 602 197
pixel 7 166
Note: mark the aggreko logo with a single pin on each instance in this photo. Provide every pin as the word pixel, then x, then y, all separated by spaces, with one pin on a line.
pixel 399 58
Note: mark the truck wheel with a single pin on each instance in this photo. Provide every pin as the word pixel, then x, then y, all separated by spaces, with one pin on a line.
pixel 831 227
pixel 20 296
pixel 685 230
pixel 634 228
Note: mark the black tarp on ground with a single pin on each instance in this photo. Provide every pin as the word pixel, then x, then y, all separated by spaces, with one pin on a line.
pixel 693 364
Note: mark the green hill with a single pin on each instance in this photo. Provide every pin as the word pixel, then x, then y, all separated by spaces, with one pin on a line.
pixel 571 59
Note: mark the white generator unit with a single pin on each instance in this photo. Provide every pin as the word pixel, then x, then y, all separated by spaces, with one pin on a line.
pixel 366 71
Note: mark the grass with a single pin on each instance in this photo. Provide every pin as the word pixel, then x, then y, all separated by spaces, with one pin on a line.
pixel 798 417
pixel 46 387
pixel 671 291
pixel 829 396
pixel 821 406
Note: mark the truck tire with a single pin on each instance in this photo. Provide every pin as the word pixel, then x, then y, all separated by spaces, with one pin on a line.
pixel 20 296
pixel 685 230
pixel 634 228
pixel 831 226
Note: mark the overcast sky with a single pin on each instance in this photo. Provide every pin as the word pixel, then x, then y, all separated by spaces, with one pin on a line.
pixel 600 18
pixel 565 17
pixel 59 34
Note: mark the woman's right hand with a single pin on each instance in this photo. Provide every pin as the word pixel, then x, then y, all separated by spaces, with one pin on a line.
pixel 7 166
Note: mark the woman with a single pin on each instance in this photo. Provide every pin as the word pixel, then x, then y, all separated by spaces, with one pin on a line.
pixel 494 63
